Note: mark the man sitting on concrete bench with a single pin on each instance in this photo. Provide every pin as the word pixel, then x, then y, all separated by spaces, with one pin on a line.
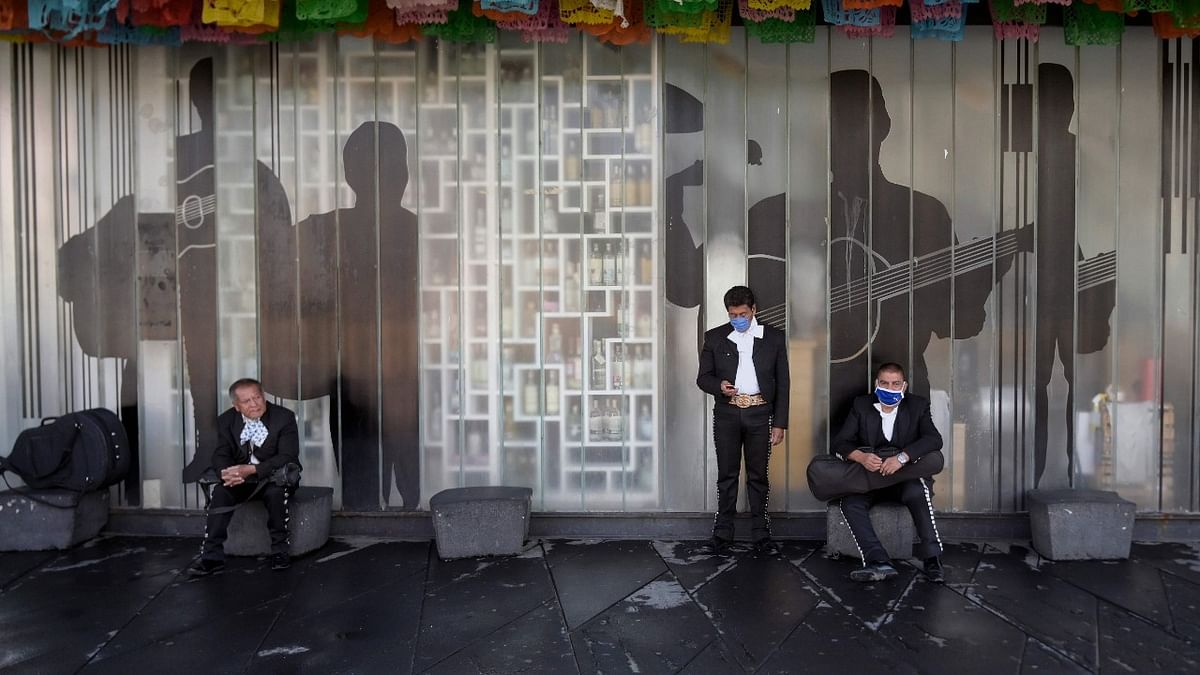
pixel 255 439
pixel 883 432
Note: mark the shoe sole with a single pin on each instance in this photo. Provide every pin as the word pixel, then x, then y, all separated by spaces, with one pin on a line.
pixel 201 575
pixel 869 577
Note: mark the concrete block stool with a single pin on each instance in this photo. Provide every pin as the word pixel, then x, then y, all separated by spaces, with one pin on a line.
pixel 893 525
pixel 1080 524
pixel 477 521
pixel 309 511
pixel 26 525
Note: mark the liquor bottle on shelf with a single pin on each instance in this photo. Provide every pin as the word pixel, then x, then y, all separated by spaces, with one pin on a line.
pixel 616 186
pixel 479 234
pixel 507 355
pixel 599 213
pixel 643 324
pixel 571 160
pixel 599 363
pixel 609 268
pixel 575 367
pixel 507 320
pixel 549 263
pixel 595 266
pixel 612 422
pixel 550 216
pixel 474 444
pixel 645 186
pixel 530 319
pixel 622 317
pixel 645 422
pixel 510 424
pixel 644 132
pixel 596 422
pixel 552 393
pixel 645 263
pixel 618 366
pixel 554 345
pixel 574 424
pixel 434 423
pixel 571 287
pixel 530 395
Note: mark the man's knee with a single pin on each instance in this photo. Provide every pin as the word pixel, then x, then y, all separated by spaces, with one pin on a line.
pixel 222 496
pixel 855 503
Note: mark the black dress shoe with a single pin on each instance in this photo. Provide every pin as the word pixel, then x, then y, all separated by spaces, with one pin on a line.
pixel 717 546
pixel 766 547
pixel 874 572
pixel 204 567
pixel 934 571
pixel 280 561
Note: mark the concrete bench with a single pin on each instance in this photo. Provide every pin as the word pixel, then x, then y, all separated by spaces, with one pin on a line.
pixel 309 512
pixel 893 525
pixel 26 525
pixel 1080 524
pixel 478 521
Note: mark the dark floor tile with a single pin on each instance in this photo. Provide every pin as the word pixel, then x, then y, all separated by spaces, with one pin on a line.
pixel 69 623
pixel 714 660
pixel 16 564
pixel 755 605
pixel 190 603
pixel 343 570
pixel 1041 660
pixel 477 601
pixel 109 562
pixel 942 632
pixel 372 632
pixel 871 603
pixel 959 561
pixel 222 645
pixel 693 565
pixel 1129 644
pixel 1183 597
pixel 592 575
pixel 658 629
pixel 535 643
pixel 1128 584
pixel 1057 612
pixel 831 640
pixel 1182 560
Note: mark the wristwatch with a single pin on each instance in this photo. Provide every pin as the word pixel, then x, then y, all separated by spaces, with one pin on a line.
pixel 902 457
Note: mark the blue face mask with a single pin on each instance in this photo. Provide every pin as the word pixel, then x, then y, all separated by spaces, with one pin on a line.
pixel 740 324
pixel 888 397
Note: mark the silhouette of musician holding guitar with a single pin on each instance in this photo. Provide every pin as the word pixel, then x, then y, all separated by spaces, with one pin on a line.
pixel 881 260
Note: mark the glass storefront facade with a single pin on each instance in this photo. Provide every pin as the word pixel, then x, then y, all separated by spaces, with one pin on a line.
pixel 471 265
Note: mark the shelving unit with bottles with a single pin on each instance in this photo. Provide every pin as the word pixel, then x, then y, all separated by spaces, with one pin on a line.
pixel 559 288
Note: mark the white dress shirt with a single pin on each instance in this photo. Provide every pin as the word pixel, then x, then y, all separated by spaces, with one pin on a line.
pixel 889 420
pixel 746 381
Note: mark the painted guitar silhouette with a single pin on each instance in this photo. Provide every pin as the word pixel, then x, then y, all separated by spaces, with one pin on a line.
pixel 884 281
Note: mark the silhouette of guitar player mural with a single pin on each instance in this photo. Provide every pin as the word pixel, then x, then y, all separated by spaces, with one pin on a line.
pixel 347 272
pixel 880 261
pixel 1058 287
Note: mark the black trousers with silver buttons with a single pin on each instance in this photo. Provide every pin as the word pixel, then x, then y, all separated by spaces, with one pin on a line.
pixel 742 433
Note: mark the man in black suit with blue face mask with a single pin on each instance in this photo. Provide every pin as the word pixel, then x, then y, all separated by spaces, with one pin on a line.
pixel 884 431
pixel 743 364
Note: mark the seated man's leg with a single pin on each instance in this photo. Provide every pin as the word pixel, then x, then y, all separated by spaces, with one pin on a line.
pixel 856 509
pixel 276 498
pixel 918 497
pixel 216 527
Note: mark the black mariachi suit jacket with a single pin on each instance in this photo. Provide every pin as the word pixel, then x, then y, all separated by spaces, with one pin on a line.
pixel 281 447
pixel 913 432
pixel 719 361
